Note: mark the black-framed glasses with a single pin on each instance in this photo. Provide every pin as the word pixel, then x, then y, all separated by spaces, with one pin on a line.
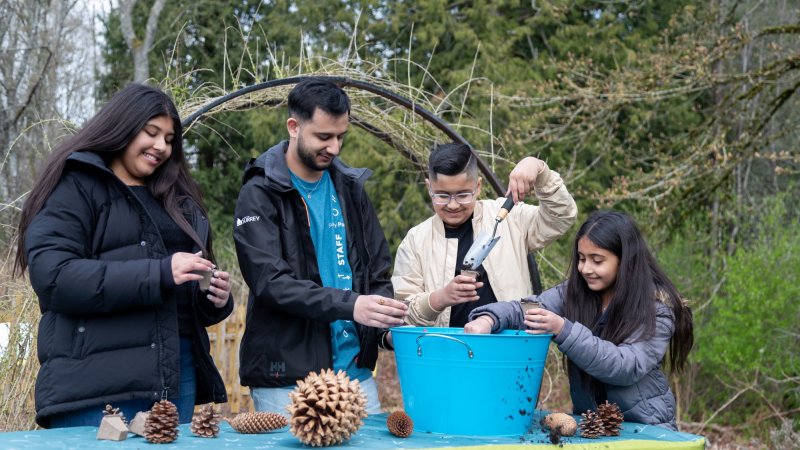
pixel 462 198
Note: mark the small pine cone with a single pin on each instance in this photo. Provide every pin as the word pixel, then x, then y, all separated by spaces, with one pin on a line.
pixel 161 426
pixel 111 411
pixel 257 422
pixel 206 422
pixel 326 409
pixel 591 425
pixel 399 424
pixel 561 423
pixel 612 418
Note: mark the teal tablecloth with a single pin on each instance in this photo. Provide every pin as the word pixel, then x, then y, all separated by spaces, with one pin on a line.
pixel 373 435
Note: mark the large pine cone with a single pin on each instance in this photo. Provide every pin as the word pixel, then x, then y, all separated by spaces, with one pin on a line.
pixel 206 422
pixel 560 423
pixel 161 426
pixel 399 424
pixel 326 409
pixel 257 422
pixel 612 418
pixel 591 425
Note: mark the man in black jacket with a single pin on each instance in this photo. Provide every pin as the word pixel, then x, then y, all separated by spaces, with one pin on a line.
pixel 314 256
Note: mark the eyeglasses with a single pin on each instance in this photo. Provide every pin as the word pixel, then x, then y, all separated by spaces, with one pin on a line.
pixel 462 198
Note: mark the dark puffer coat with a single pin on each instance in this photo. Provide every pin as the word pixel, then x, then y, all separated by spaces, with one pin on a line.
pixel 109 330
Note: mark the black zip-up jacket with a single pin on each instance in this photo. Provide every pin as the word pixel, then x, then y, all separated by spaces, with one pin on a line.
pixel 287 334
pixel 109 327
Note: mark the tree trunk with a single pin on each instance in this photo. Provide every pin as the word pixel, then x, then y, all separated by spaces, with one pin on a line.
pixel 140 48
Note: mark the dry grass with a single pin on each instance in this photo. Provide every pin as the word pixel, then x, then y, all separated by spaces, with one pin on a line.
pixel 19 309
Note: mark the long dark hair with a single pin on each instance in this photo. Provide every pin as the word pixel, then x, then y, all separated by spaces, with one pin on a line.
pixel 108 134
pixel 640 283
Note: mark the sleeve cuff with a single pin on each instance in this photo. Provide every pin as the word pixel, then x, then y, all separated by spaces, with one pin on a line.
pixel 547 183
pixel 426 310
pixel 167 280
pixel 561 337
pixel 384 342
pixel 543 177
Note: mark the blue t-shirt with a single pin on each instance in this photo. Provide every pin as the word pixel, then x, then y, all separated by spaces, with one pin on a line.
pixel 329 235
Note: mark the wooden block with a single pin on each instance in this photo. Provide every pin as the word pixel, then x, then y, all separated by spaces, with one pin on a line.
pixel 137 424
pixel 112 428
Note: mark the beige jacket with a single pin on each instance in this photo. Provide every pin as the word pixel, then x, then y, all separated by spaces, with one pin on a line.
pixel 426 259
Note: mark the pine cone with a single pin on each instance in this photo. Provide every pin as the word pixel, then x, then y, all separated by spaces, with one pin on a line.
pixel 111 411
pixel 161 426
pixel 206 422
pixel 257 422
pixel 591 425
pixel 561 423
pixel 611 417
pixel 399 424
pixel 326 409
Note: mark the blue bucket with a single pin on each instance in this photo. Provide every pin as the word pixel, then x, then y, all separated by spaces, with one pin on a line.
pixel 469 384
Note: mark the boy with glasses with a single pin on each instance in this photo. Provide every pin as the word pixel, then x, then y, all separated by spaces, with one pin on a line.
pixel 427 270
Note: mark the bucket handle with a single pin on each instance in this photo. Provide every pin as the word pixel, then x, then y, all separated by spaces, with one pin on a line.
pixel 443 336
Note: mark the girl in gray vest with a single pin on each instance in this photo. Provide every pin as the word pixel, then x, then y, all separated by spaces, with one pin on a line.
pixel 616 319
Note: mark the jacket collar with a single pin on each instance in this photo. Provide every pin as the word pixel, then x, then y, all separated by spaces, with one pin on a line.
pixel 95 161
pixel 272 166
pixel 90 158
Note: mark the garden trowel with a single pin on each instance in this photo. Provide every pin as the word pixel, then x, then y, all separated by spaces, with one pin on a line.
pixel 484 242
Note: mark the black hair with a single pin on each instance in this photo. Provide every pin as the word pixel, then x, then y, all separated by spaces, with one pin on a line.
pixel 108 134
pixel 313 93
pixel 639 284
pixel 452 159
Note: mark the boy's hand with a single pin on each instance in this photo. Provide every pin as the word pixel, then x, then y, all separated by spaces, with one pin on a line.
pixel 523 178
pixel 460 289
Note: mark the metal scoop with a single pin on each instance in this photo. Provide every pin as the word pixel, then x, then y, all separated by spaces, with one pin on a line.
pixel 484 242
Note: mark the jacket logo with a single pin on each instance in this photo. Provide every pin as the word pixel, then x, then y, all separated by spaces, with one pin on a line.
pixel 246 219
pixel 277 369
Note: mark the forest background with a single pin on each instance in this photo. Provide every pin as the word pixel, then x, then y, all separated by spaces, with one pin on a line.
pixel 683 113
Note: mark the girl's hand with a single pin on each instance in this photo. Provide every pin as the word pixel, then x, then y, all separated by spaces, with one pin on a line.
pixel 481 325
pixel 220 288
pixel 542 321
pixel 189 267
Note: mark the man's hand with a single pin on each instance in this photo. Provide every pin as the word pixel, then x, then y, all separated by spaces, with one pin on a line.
pixel 379 312
pixel 481 325
pixel 460 289
pixel 523 178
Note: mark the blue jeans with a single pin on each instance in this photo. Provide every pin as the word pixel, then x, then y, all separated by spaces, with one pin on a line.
pixel 92 415
pixel 276 399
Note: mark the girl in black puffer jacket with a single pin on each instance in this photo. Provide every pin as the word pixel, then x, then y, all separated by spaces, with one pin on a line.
pixel 115 238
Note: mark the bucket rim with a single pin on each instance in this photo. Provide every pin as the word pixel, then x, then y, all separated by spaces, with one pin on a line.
pixel 505 333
